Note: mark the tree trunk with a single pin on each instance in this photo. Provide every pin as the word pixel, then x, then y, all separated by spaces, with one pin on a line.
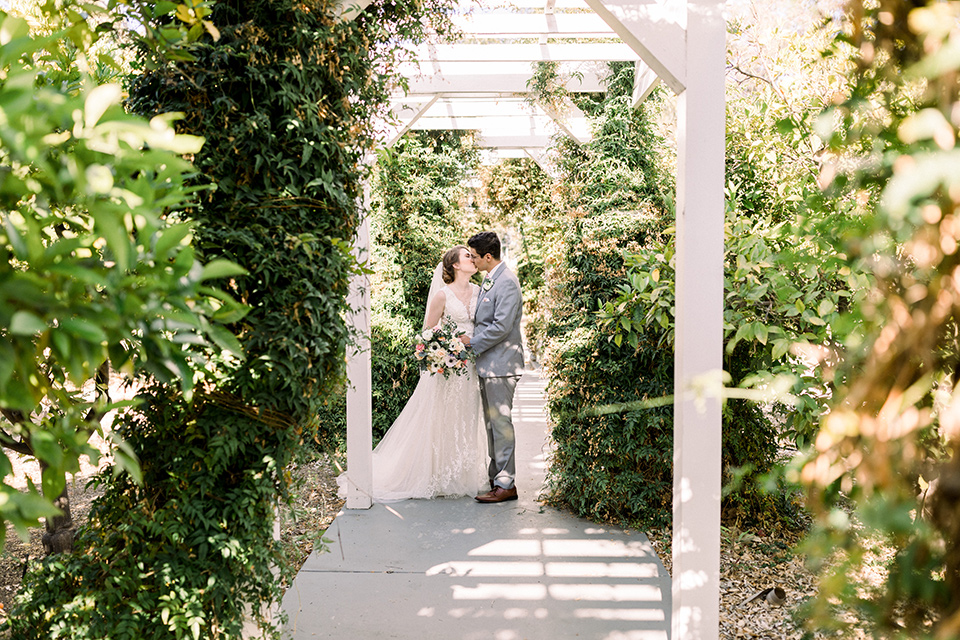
pixel 59 530
pixel 946 517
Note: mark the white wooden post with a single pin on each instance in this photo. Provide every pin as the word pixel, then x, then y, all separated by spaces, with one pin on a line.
pixel 359 378
pixel 699 328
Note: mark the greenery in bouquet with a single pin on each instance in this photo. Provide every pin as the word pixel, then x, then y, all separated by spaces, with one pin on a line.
pixel 438 350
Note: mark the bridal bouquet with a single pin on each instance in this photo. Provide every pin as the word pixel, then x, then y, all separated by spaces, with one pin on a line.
pixel 439 350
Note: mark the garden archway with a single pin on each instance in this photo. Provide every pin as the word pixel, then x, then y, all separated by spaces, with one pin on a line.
pixel 481 84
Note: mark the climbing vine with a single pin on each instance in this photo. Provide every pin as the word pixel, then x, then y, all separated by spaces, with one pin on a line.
pixel 285 94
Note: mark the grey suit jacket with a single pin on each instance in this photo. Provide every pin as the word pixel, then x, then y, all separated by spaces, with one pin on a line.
pixel 496 335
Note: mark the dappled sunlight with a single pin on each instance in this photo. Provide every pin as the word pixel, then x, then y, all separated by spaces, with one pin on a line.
pixel 620 581
pixel 456 570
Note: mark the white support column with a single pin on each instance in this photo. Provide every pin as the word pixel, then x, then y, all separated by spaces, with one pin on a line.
pixel 699 328
pixel 359 378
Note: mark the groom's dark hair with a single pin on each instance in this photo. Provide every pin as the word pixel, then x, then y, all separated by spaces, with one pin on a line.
pixel 485 242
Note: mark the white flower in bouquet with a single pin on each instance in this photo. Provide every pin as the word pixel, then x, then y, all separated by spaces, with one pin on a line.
pixel 439 350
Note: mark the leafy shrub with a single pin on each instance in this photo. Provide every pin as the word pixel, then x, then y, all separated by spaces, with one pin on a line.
pixel 182 553
pixel 614 467
pixel 96 268
pixel 417 214
pixel 284 98
pixel 617 465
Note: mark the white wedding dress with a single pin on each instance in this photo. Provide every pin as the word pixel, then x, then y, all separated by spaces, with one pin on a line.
pixel 437 445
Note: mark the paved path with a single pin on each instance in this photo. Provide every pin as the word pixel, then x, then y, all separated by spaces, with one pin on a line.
pixel 459 570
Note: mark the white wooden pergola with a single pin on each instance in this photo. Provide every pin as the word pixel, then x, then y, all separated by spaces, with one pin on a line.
pixel 481 84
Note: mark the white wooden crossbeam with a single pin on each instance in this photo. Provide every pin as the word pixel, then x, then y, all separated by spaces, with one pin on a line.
pixel 470 107
pixel 513 141
pixel 502 77
pixel 350 9
pixel 501 24
pixel 645 80
pixel 512 52
pixel 561 5
pixel 408 117
pixel 655 29
pixel 509 115
pixel 543 160
pixel 532 124
pixel 571 121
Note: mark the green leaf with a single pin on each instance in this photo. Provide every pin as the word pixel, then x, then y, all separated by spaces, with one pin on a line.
pixel 16 240
pixel 225 340
pixel 84 329
pixel 170 238
pixel 52 481
pixel 13 28
pixel 32 506
pixel 115 233
pixel 24 323
pixel 780 348
pixel 98 101
pixel 126 459
pixel 221 269
pixel 46 447
pixel 760 332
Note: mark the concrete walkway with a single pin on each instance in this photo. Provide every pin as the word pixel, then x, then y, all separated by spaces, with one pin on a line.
pixel 456 569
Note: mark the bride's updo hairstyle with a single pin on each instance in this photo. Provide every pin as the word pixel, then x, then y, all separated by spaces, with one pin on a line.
pixel 450 258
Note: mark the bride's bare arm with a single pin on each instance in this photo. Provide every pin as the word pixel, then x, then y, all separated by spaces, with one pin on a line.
pixel 435 309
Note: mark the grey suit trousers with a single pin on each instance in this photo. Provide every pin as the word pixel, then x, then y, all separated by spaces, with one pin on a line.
pixel 497 397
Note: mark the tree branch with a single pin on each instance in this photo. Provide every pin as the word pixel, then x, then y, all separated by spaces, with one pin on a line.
pixel 751 75
pixel 9 442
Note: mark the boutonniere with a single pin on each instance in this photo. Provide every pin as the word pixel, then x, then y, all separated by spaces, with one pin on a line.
pixel 487 284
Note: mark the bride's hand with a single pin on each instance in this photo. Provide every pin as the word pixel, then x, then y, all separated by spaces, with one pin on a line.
pixel 465 339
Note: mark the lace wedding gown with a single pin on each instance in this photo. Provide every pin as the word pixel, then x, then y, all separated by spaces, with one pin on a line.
pixel 437 445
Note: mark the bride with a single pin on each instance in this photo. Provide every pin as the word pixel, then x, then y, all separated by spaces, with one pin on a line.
pixel 436 446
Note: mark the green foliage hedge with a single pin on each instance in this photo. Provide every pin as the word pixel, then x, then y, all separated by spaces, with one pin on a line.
pixel 614 467
pixel 617 466
pixel 180 555
pixel 285 99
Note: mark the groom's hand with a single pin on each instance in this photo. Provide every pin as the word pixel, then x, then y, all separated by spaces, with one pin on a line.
pixel 465 339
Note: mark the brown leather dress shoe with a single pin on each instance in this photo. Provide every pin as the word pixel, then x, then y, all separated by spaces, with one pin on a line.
pixel 499 494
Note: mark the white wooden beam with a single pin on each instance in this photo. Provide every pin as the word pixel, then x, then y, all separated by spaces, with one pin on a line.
pixel 490 157
pixel 350 9
pixel 645 80
pixel 655 29
pixel 503 24
pixel 496 125
pixel 699 327
pixel 513 142
pixel 562 5
pixel 409 115
pixel 496 52
pixel 544 161
pixel 477 78
pixel 470 107
pixel 359 473
pixel 572 121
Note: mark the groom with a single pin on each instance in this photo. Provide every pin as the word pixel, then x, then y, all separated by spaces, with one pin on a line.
pixel 497 343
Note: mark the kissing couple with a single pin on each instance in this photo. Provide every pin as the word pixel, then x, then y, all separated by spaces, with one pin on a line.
pixel 435 446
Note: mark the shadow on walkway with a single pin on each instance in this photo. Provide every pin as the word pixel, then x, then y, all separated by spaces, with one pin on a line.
pixel 456 569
